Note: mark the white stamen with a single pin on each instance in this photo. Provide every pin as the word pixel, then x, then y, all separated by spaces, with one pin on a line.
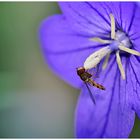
pixel 106 61
pixel 121 47
pixel 97 39
pixel 112 26
pixel 120 65
pixel 96 57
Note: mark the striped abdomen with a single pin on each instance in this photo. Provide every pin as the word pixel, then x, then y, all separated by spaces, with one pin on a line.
pixel 93 83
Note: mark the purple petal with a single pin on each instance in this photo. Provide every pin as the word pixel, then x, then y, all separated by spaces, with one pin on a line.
pixel 85 19
pixel 135 79
pixel 63 49
pixel 112 116
pixel 85 16
pixel 134 33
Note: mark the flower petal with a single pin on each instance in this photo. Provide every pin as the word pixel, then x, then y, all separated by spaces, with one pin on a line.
pixel 135 79
pixel 63 49
pixel 85 19
pixel 112 116
pixel 134 33
pixel 84 16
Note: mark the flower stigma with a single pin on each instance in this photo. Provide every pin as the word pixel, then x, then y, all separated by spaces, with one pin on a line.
pixel 119 42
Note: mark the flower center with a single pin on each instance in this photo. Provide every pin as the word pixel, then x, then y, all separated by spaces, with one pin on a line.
pixel 119 43
pixel 120 39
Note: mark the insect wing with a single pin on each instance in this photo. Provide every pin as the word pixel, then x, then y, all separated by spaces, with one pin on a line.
pixel 95 72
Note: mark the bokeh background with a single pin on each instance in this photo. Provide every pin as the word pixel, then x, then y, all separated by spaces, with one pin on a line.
pixel 34 103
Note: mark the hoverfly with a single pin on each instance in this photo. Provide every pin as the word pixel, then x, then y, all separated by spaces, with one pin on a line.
pixel 86 77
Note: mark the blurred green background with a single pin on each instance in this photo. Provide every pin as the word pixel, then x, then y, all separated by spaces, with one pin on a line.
pixel 33 102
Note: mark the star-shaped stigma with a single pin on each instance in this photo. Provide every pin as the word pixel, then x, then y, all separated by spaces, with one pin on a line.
pixel 119 42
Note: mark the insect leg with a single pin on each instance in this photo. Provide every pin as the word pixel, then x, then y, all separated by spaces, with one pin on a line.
pixel 90 93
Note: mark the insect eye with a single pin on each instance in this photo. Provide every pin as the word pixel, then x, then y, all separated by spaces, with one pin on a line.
pixel 80 70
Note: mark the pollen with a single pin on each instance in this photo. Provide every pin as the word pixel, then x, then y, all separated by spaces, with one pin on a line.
pixel 119 42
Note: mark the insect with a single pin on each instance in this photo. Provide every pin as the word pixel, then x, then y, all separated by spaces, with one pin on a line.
pixel 86 77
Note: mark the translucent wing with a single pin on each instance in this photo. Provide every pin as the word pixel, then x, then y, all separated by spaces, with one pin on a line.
pixel 95 72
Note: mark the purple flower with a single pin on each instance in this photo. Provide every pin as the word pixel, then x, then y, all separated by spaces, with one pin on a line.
pixel 104 35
